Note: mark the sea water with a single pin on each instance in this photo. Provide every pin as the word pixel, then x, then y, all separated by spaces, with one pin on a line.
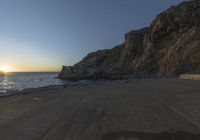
pixel 23 80
pixel 18 81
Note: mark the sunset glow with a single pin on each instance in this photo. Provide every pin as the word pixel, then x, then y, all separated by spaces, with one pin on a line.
pixel 5 68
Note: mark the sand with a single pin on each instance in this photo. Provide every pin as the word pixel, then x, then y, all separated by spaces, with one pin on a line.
pixel 167 109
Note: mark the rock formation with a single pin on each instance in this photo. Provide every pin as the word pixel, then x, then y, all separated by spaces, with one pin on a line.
pixel 2 73
pixel 169 47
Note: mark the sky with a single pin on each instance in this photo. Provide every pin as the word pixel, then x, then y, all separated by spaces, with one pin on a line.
pixel 43 35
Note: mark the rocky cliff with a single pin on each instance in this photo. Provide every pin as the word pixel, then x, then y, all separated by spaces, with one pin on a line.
pixel 169 47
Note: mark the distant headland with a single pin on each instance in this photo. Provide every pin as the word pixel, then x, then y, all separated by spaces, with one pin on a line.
pixel 2 73
pixel 169 47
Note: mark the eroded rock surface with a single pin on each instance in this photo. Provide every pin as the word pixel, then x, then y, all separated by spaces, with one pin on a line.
pixel 169 47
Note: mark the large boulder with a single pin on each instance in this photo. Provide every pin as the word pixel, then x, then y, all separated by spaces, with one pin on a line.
pixel 169 47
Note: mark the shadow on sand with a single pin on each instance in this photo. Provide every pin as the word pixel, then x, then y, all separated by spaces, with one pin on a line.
pixel 134 135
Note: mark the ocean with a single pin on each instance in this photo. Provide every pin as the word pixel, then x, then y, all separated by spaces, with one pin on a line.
pixel 18 81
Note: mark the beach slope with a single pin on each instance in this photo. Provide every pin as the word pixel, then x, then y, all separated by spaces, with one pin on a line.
pixel 144 110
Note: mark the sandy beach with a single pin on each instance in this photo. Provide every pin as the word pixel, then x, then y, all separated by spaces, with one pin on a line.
pixel 167 109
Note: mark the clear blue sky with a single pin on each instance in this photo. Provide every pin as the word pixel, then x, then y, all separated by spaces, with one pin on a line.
pixel 40 35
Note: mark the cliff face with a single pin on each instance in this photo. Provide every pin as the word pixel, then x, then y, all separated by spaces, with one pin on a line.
pixel 169 47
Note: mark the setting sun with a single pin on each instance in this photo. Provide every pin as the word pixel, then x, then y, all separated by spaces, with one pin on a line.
pixel 5 68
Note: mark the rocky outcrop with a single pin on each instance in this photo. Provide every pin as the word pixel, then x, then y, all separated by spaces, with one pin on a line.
pixel 95 65
pixel 190 76
pixel 2 73
pixel 169 47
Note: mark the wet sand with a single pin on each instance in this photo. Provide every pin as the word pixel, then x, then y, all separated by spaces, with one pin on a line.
pixel 167 109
